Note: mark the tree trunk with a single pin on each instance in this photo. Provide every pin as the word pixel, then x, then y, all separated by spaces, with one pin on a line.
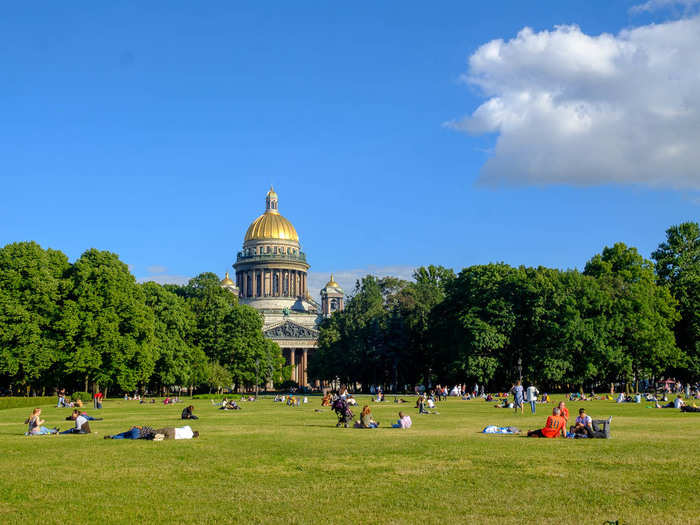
pixel 86 384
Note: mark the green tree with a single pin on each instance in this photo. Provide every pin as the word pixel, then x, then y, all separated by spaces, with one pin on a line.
pixel 109 330
pixel 32 290
pixel 641 314
pixel 177 360
pixel 678 267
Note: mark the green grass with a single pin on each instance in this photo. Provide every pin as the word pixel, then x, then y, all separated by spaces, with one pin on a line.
pixel 273 464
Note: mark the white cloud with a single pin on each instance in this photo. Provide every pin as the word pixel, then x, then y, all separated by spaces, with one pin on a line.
pixel 571 108
pixel 656 5
pixel 156 268
pixel 165 279
pixel 347 278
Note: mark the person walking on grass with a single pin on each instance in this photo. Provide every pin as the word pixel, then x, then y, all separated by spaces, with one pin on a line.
pixel 532 394
pixel 518 396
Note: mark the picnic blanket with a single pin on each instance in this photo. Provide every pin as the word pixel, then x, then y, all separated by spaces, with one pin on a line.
pixel 492 429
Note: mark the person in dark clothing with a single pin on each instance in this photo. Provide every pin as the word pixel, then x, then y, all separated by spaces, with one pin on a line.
pixel 187 413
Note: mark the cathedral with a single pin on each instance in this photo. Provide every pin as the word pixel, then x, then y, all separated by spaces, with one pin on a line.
pixel 271 276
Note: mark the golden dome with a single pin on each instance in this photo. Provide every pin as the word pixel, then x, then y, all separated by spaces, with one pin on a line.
pixel 332 283
pixel 271 225
pixel 226 281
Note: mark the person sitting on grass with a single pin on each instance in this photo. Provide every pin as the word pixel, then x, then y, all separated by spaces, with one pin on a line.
pixel 403 422
pixel 676 403
pixel 187 413
pixel 504 404
pixel 82 424
pixel 564 412
pixel 326 401
pixel 366 419
pixel 583 424
pixel 555 426
pixel 35 425
pixel 74 415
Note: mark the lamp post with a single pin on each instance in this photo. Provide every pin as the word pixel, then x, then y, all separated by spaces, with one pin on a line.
pixel 520 369
pixel 257 380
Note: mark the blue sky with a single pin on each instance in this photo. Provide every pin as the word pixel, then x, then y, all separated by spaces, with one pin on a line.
pixel 155 129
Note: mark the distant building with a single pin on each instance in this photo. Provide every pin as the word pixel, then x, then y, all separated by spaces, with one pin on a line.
pixel 271 276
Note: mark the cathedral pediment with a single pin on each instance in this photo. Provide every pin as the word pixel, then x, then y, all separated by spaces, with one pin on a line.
pixel 290 330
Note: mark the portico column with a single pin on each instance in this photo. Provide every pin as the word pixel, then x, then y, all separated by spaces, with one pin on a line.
pixel 304 364
pixel 291 359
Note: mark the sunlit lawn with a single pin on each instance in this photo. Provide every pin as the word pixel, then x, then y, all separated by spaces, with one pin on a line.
pixel 275 464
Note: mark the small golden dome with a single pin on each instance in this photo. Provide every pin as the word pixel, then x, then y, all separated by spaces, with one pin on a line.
pixel 332 283
pixel 226 281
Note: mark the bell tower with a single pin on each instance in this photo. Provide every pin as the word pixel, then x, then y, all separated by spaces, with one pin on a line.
pixel 332 297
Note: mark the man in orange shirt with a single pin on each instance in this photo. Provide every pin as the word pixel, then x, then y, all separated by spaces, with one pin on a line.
pixel 554 426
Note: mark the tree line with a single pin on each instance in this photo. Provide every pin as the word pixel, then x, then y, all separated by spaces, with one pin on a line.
pixel 622 319
pixel 89 324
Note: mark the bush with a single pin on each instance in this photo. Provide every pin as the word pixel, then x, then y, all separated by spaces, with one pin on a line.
pixel 19 402
pixel 83 396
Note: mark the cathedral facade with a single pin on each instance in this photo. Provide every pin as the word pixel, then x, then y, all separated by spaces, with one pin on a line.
pixel 271 276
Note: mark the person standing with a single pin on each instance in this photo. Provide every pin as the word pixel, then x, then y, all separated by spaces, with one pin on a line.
pixel 97 400
pixel 518 396
pixel 532 394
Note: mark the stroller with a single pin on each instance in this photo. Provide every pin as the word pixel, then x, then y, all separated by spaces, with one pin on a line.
pixel 345 415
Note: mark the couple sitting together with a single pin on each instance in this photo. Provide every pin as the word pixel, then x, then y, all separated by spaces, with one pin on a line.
pixel 584 427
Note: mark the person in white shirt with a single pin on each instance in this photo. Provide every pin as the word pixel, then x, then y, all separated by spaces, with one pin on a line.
pixel 531 395
pixel 185 432
pixel 583 424
pixel 403 422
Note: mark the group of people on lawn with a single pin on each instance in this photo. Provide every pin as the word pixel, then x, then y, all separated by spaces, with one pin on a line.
pixel 36 425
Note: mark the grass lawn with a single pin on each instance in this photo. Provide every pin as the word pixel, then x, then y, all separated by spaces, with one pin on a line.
pixel 274 464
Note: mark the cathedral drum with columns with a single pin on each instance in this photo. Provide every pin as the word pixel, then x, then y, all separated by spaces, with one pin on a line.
pixel 271 276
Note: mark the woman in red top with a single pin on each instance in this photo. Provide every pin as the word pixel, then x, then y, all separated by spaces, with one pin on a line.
pixel 564 411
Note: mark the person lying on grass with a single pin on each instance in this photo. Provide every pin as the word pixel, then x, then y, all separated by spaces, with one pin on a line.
pixel 146 432
pixel 676 403
pixel 35 425
pixel 187 413
pixel 82 424
pixel 555 426
pixel 74 415
pixel 175 433
pixel 403 422
pixel 366 419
